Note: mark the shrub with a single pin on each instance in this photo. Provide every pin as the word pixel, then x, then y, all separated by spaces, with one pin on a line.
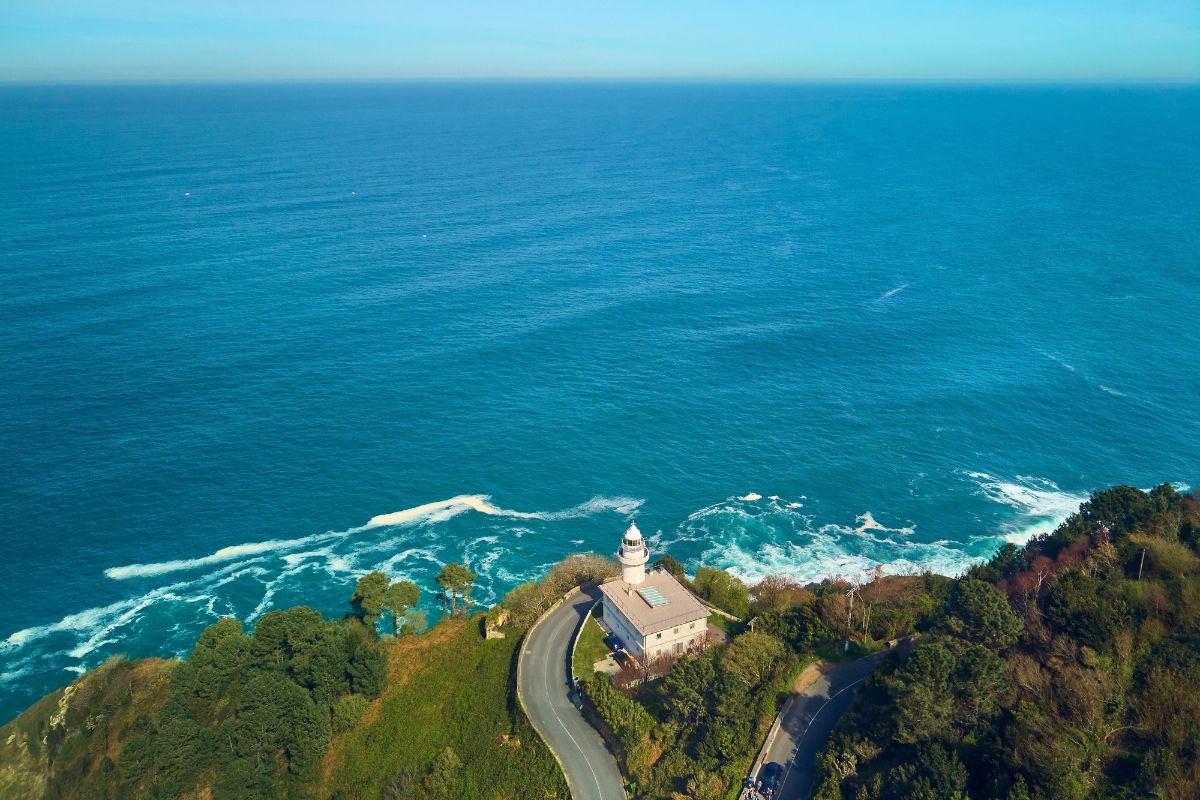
pixel 347 711
pixel 722 590
pixel 528 601
pixel 1164 557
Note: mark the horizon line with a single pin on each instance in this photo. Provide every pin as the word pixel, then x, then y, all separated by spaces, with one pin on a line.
pixel 584 79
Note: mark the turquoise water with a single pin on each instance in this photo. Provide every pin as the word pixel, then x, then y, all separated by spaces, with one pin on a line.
pixel 242 322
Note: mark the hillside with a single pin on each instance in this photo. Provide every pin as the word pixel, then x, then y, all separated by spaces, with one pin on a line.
pixel 441 724
pixel 1067 669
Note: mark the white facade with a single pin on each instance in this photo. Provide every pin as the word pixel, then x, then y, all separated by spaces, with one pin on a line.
pixel 674 641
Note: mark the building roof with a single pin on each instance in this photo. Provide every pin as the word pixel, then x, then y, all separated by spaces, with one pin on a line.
pixel 681 606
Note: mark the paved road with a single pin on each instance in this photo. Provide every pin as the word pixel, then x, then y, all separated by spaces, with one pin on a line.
pixel 590 768
pixel 809 721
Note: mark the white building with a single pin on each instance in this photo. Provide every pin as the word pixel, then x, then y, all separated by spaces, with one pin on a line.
pixel 651 613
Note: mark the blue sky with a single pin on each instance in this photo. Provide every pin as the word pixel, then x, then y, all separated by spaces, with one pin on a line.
pixel 863 40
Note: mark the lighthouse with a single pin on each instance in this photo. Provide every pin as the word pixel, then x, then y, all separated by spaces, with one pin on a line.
pixel 633 556
pixel 652 613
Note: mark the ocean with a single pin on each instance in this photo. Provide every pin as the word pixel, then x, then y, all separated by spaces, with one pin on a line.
pixel 259 340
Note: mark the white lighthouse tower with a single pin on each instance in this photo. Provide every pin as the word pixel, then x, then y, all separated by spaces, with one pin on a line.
pixel 633 556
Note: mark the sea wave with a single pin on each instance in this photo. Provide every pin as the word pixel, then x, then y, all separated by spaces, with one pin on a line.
pixel 426 513
pixel 1041 504
pixel 442 510
pixel 756 538
pixel 891 293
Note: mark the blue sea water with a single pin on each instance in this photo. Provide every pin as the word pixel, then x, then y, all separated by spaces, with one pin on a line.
pixel 790 329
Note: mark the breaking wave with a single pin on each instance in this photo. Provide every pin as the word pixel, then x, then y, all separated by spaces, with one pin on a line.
pixel 754 538
pixel 1040 504
pixel 427 513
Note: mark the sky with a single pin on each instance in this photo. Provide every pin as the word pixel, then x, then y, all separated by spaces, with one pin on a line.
pixel 802 40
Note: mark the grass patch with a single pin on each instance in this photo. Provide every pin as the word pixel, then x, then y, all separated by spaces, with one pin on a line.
pixel 836 653
pixel 730 627
pixel 591 648
pixel 449 688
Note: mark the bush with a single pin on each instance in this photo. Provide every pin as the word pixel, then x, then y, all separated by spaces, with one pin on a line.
pixel 1164 557
pixel 980 613
pixel 528 601
pixel 347 711
pixel 722 590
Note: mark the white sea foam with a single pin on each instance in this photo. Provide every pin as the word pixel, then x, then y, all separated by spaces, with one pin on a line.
pixel 891 293
pixel 824 554
pixel 1111 390
pixel 751 497
pixel 868 523
pixel 1041 503
pixel 412 553
pixel 480 503
pixel 93 625
pixel 237 551
pixel 435 512
pixel 1060 362
pixel 755 541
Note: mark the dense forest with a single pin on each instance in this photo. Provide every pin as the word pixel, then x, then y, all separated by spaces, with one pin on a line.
pixel 1066 669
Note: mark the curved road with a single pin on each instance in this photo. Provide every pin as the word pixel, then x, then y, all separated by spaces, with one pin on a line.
pixel 543 688
pixel 810 718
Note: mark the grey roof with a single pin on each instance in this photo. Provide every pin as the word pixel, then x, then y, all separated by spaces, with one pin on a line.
pixel 681 607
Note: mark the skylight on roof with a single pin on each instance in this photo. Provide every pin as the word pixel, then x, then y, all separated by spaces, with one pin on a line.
pixel 653 596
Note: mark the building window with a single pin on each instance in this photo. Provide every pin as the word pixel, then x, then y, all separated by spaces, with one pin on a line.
pixel 675 632
pixel 692 627
pixel 658 636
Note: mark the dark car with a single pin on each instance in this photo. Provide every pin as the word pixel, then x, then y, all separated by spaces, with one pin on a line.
pixel 613 643
pixel 768 778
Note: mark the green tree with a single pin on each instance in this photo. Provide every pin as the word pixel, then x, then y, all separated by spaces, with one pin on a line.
pixel 1081 606
pixel 800 627
pixel 944 689
pixel 686 688
pixel 722 590
pixel 455 580
pixel 935 774
pixel 414 621
pixel 979 613
pixel 445 775
pixel 370 597
pixel 348 711
pixel 752 658
pixel 672 566
pixel 366 662
pixel 401 596
pixel 217 660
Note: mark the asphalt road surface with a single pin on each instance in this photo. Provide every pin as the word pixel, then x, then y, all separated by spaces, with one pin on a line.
pixel 590 768
pixel 809 721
